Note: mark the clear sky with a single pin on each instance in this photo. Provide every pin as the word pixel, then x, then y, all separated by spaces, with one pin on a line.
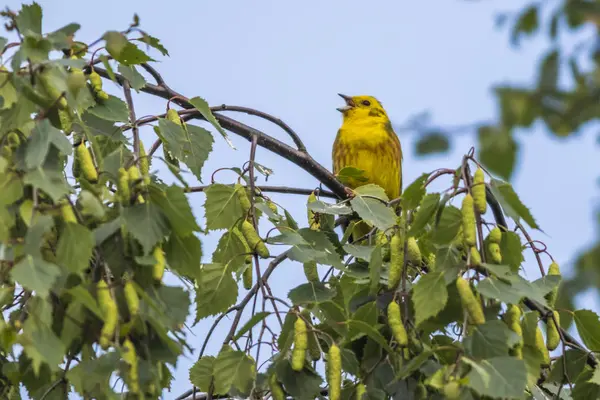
pixel 291 59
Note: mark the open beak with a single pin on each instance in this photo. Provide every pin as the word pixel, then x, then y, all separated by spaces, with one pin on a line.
pixel 349 103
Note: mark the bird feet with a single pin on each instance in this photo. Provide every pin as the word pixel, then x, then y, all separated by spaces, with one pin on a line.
pixel 349 192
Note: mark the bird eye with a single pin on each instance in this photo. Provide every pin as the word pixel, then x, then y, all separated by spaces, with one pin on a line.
pixel 366 103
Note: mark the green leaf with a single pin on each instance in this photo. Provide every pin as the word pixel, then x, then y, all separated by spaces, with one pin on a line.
pixel 588 327
pixel 231 250
pixel 75 247
pixel 492 339
pixel 372 190
pixel 11 188
pixel 427 305
pixel 371 332
pixel 256 318
pixel 136 80
pixel 531 354
pixel 448 225
pixel 584 389
pixel 183 254
pixel 374 212
pixel 36 274
pixel 302 385
pixel 516 288
pixel 190 144
pixel 202 106
pixel 91 377
pixel 91 205
pixel 16 116
pixel 42 135
pixel 425 212
pixel 29 19
pixel 52 182
pixel 549 71
pixel 113 109
pixel 497 150
pixel 326 208
pixel 286 337
pixel 216 290
pixel 314 246
pixel 124 51
pixel 202 373
pixel 154 42
pixel 499 377
pixel 34 238
pixel 42 345
pixel 233 369
pixel 174 204
pixel 511 203
pixel 414 193
pixel 311 293
pixel 82 295
pixel 222 207
pixel 431 143
pixel 146 223
pixel 511 250
pixel 362 252
pixel 573 362
pixel 347 174
pixel 375 265
pixel 527 23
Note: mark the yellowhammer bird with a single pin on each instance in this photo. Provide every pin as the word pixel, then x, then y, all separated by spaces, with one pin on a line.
pixel 367 141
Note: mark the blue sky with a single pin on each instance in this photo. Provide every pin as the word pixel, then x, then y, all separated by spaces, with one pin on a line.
pixel 291 58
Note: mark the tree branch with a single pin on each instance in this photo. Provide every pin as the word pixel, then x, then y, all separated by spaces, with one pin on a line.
pixel 302 159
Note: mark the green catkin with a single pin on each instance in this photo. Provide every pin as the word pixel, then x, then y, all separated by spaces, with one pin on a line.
pixel 311 272
pixel 130 357
pixel 475 257
pixel 512 318
pixel 131 298
pixel 396 260
pixel 109 310
pixel 541 346
pixel 158 269
pixel 468 221
pixel 254 241
pixel 361 390
pixel 470 303
pixel 86 162
pixel 334 372
pixel 247 276
pixel 300 345
pixel 243 199
pixel 552 334
pixel 67 213
pixel 275 387
pixel 553 269
pixel 123 187
pixel 173 116
pixel 478 190
pixel 413 253
pixel 144 164
pixel 396 325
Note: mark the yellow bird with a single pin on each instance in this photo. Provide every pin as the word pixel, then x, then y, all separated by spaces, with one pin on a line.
pixel 367 141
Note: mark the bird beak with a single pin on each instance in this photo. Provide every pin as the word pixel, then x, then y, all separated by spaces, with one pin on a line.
pixel 349 103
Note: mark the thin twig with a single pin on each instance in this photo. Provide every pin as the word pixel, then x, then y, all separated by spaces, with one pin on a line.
pixel 268 117
pixel 132 120
pixel 272 189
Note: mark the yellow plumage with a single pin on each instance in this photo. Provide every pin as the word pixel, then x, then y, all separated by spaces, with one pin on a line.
pixel 367 141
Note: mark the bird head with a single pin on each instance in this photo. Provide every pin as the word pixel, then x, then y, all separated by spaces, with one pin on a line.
pixel 359 107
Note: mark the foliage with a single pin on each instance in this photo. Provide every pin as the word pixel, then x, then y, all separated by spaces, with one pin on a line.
pixel 88 230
